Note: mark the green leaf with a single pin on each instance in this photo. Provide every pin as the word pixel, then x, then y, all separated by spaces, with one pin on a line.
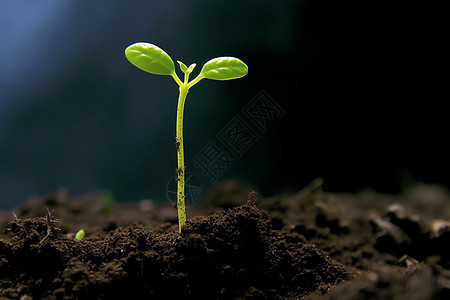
pixel 183 67
pixel 80 235
pixel 150 58
pixel 191 68
pixel 224 68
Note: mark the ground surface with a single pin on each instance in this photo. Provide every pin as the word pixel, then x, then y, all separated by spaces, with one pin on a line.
pixel 236 245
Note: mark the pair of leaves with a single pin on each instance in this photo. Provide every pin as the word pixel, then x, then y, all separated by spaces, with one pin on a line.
pixel 153 59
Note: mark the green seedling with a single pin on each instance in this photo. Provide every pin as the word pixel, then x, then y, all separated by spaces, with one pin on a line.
pixel 109 201
pixel 153 59
pixel 80 235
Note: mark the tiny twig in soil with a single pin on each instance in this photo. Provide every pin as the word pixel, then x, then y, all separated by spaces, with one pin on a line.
pixel 49 227
pixel 313 186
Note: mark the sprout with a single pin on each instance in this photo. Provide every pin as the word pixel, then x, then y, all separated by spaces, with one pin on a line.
pixel 80 235
pixel 153 59
pixel 109 201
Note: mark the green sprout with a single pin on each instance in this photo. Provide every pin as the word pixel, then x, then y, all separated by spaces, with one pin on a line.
pixel 80 235
pixel 153 59
pixel 109 201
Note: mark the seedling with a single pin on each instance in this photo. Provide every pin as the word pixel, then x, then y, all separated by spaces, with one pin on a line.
pixel 153 59
pixel 109 201
pixel 80 235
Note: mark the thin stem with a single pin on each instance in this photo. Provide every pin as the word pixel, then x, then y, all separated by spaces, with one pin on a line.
pixel 184 89
pixel 180 154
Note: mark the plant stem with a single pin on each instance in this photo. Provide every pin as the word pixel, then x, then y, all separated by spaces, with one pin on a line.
pixel 184 89
pixel 180 154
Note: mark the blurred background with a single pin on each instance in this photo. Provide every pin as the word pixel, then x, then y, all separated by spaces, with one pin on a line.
pixel 358 88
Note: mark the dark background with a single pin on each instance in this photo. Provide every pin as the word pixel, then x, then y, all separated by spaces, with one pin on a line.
pixel 361 84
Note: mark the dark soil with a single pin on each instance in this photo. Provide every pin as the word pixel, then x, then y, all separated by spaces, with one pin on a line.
pixel 305 245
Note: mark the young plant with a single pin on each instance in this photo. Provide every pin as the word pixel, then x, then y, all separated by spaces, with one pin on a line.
pixel 153 59
pixel 109 201
pixel 80 235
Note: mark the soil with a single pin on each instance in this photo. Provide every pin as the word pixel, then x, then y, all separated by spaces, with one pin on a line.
pixel 308 244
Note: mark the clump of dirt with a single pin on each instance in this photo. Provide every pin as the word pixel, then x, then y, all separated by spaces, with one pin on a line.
pixel 230 254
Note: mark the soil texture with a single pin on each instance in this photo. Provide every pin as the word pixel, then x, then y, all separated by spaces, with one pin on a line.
pixel 308 244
